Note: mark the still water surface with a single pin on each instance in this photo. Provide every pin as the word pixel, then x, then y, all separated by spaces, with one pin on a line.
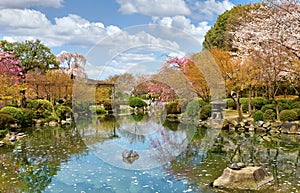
pixel 172 158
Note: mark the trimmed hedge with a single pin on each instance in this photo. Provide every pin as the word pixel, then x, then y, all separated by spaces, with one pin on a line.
pixel 101 111
pixel 269 115
pixel 5 120
pixel 295 105
pixel 268 107
pixel 258 116
pixel 42 109
pixel 205 112
pixel 288 115
pixel 27 117
pixel 173 108
pixel 136 102
pixel 297 110
pixel 259 102
pixel 15 112
pixel 62 110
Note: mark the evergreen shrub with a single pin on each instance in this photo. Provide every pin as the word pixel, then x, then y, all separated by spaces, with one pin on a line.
pixel 258 116
pixel 288 115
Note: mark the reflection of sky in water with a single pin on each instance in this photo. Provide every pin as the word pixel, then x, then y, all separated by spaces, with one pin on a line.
pixel 91 174
pixel 154 144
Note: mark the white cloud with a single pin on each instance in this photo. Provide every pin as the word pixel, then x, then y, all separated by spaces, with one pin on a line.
pixel 28 3
pixel 12 18
pixel 182 23
pixel 154 7
pixel 69 30
pixel 209 9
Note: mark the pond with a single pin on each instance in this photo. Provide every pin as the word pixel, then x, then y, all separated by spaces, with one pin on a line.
pixel 173 157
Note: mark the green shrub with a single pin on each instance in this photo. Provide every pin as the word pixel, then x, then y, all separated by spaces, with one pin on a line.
pixel 268 106
pixel 143 96
pixel 41 108
pixel 285 101
pixel 100 111
pixel 138 117
pixel 205 112
pixel 244 104
pixel 269 115
pixel 27 117
pixel 136 102
pixel 5 120
pixel 173 108
pixel 230 103
pixel 107 105
pixel 193 109
pixel 61 111
pixel 259 102
pixel 295 105
pixel 3 132
pixel 258 116
pixel 297 110
pixel 288 115
pixel 15 112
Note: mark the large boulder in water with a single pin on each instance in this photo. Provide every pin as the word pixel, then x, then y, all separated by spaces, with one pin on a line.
pixel 250 178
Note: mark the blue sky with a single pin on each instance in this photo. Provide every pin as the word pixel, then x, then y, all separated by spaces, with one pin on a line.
pixel 114 35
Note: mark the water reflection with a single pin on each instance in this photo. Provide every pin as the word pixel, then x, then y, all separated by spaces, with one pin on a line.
pixel 31 164
pixel 155 144
pixel 67 160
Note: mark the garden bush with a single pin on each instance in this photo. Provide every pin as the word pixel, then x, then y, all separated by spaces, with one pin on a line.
pixel 5 120
pixel 258 116
pixel 62 111
pixel 230 103
pixel 244 104
pixel 27 117
pixel 295 105
pixel 3 132
pixel 205 112
pixel 100 111
pixel 268 106
pixel 15 112
pixel 269 115
pixel 136 102
pixel 107 105
pixel 288 115
pixel 173 108
pixel 297 110
pixel 193 109
pixel 259 102
pixel 40 107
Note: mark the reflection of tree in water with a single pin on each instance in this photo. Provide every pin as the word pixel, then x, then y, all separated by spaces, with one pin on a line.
pixel 133 135
pixel 168 144
pixel 37 158
pixel 278 153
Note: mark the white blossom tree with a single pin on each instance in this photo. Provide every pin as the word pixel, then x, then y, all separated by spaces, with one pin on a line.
pixel 270 36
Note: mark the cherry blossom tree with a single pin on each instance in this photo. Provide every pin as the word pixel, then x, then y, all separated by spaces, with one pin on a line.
pixel 75 64
pixel 270 37
pixel 192 73
pixel 10 75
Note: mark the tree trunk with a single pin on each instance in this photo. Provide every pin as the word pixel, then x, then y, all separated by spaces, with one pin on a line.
pixel 277 109
pixel 250 101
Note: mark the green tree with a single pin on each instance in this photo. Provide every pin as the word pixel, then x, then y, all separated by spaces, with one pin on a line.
pixel 218 36
pixel 31 55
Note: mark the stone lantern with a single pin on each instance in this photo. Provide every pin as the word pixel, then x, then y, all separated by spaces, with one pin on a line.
pixel 217 108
